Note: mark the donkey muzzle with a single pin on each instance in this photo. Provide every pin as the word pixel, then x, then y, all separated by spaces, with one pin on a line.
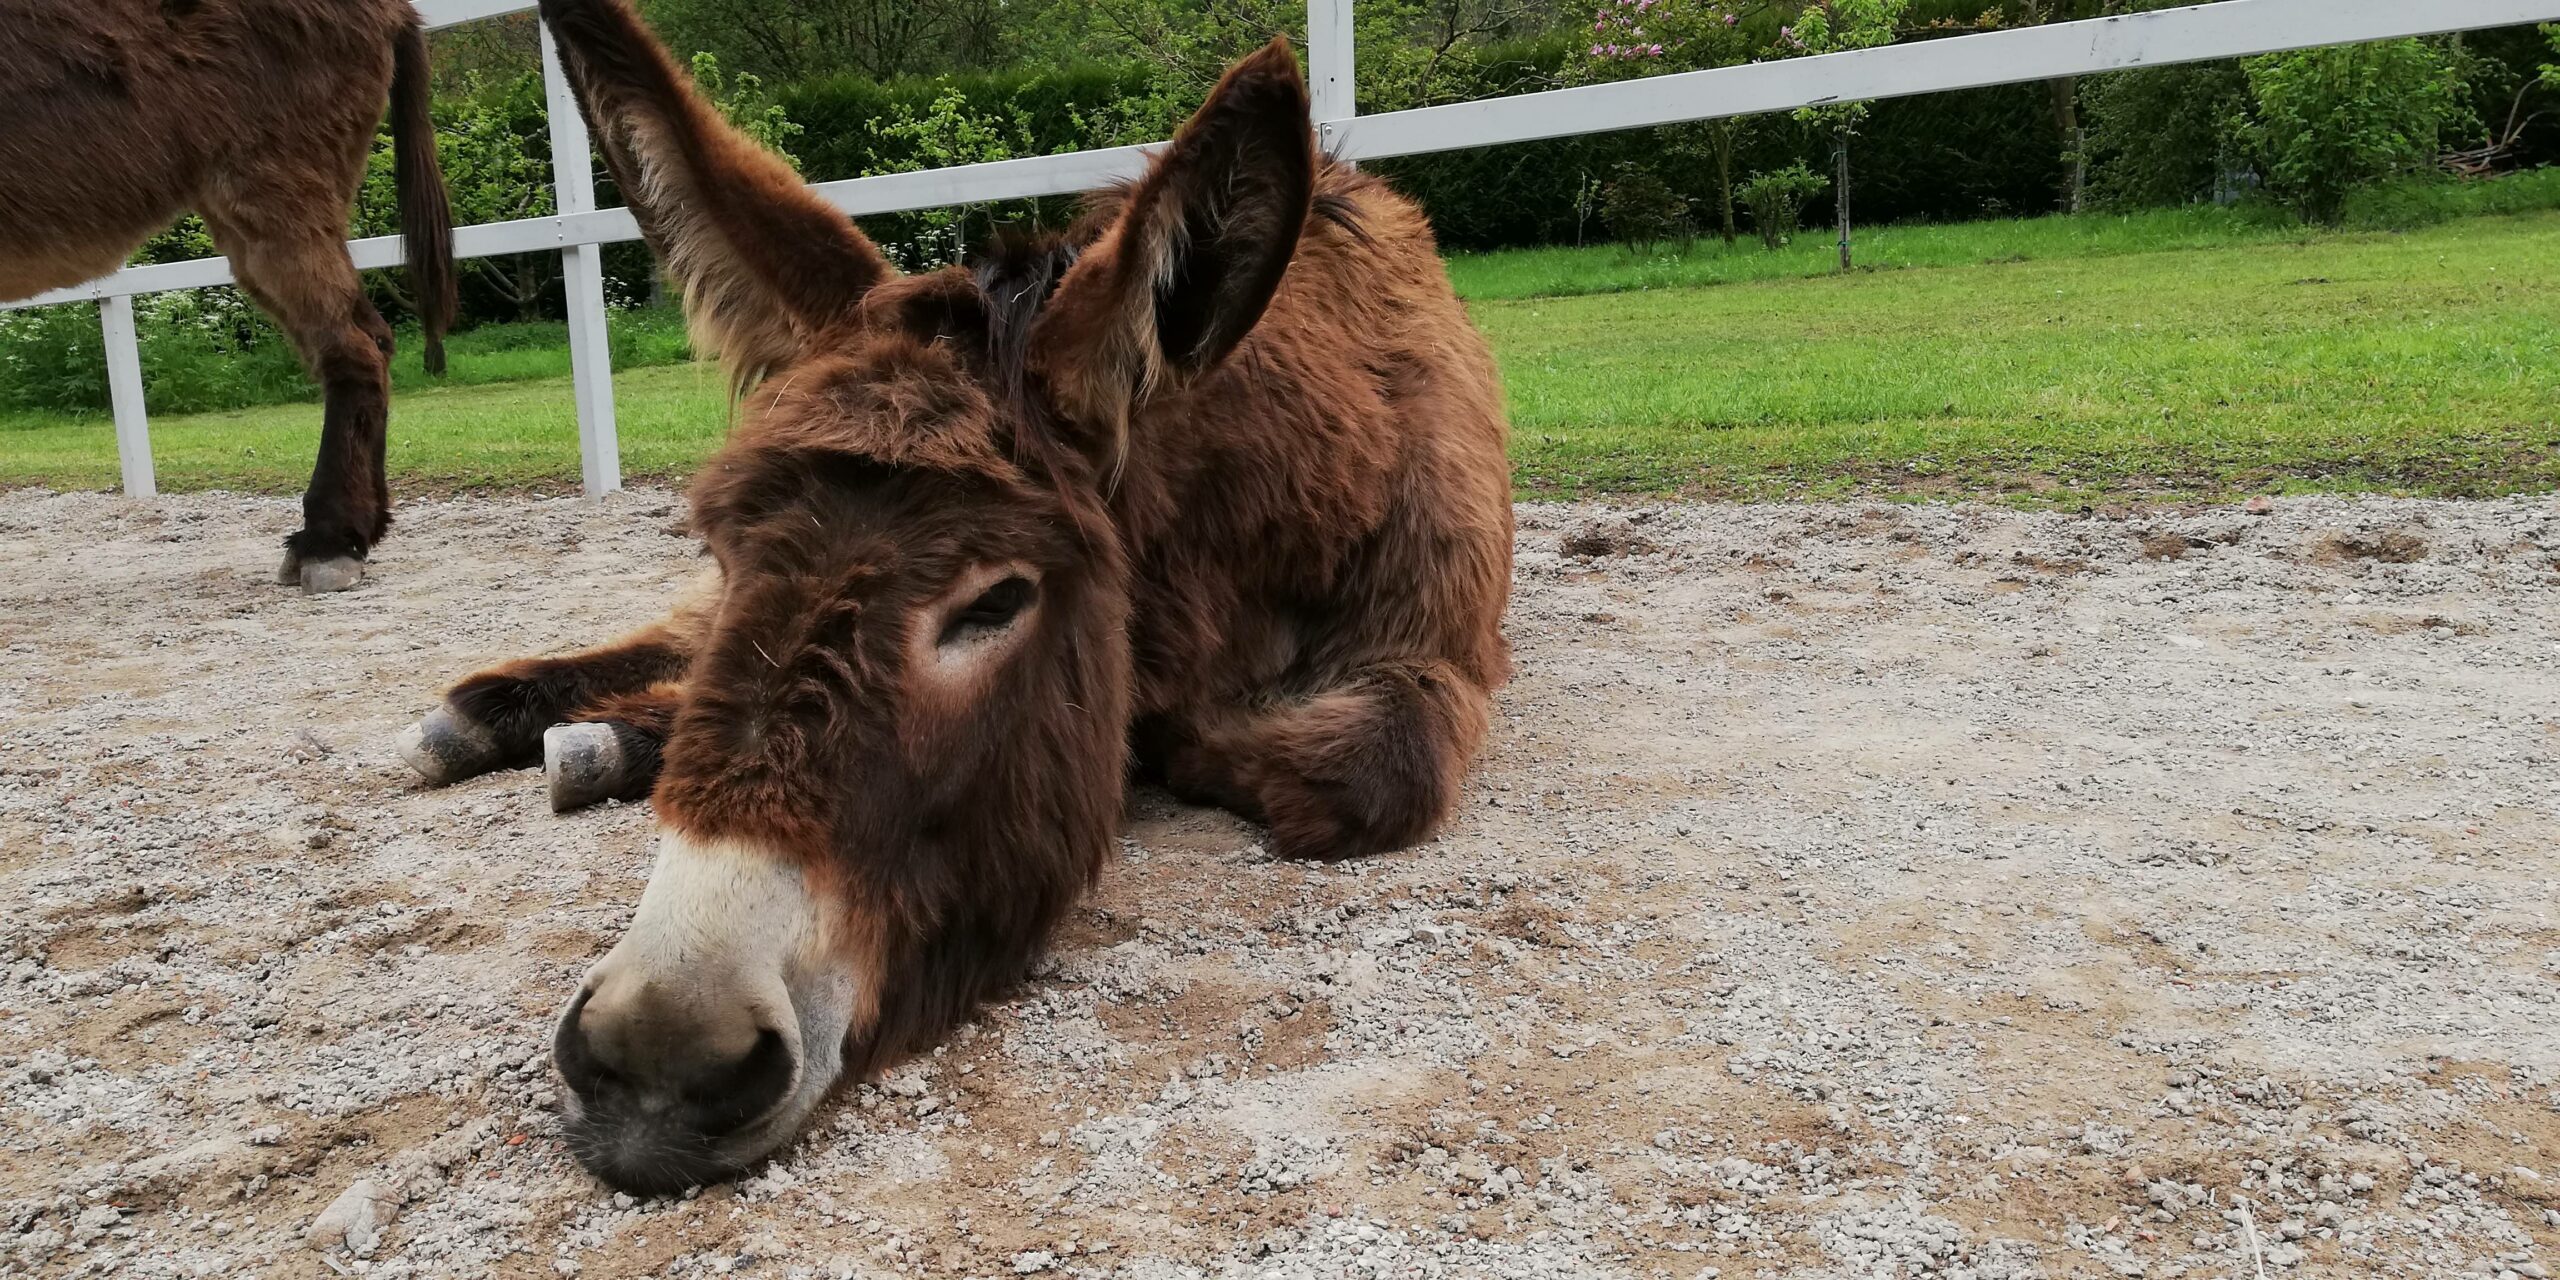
pixel 707 1035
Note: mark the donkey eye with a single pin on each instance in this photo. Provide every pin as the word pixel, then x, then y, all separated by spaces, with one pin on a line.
pixel 992 610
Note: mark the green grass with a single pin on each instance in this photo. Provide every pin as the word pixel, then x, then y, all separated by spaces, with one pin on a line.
pixel 1565 271
pixel 526 350
pixel 517 435
pixel 2104 364
pixel 2419 363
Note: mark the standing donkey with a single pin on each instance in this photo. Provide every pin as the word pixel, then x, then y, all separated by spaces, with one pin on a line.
pixel 117 116
pixel 1214 481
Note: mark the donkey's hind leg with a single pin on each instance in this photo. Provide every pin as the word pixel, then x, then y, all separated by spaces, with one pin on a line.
pixel 497 719
pixel 1369 764
pixel 301 276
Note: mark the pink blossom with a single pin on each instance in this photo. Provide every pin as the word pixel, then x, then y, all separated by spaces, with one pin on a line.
pixel 1657 51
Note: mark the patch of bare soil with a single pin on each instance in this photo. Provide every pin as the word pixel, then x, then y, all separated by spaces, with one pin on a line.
pixel 1847 891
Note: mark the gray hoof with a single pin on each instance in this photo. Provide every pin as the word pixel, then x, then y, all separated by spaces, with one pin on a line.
pixel 583 763
pixel 320 577
pixel 444 748
pixel 289 573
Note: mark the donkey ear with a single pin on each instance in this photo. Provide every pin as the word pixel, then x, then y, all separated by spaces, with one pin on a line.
pixel 1195 253
pixel 763 262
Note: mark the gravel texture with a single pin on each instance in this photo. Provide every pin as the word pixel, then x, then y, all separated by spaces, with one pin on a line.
pixel 1847 891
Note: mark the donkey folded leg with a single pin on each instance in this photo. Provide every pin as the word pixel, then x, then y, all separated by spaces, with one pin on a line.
pixel 611 749
pixel 497 719
pixel 1369 764
pixel 302 277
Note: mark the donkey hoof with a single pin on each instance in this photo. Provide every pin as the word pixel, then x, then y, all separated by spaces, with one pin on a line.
pixel 320 577
pixel 583 763
pixel 445 747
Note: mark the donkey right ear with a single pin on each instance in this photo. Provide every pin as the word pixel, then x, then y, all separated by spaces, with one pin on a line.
pixel 1197 251
pixel 763 262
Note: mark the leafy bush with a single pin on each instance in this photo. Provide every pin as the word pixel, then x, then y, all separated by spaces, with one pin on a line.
pixel 201 349
pixel 2160 135
pixel 53 359
pixel 1642 210
pixel 2325 122
pixel 1777 201
pixel 746 104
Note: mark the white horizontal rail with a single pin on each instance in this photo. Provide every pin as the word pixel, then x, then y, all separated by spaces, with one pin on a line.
pixel 1056 175
pixel 2234 28
pixel 2197 33
pixel 439 14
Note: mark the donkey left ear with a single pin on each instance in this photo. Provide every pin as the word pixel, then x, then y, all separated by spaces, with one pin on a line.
pixel 1195 253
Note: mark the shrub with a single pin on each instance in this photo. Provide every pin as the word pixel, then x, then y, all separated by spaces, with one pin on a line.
pixel 1777 201
pixel 2325 122
pixel 201 349
pixel 53 359
pixel 1641 209
pixel 2160 135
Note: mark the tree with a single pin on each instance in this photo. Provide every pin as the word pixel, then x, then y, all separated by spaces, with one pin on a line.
pixel 1636 38
pixel 1835 26
pixel 2064 93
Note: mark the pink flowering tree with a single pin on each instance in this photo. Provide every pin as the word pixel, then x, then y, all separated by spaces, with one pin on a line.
pixel 1631 39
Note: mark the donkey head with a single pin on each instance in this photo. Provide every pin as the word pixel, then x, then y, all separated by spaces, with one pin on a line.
pixel 901 750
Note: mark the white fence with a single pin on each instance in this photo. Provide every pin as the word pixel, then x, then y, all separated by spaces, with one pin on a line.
pixel 2233 28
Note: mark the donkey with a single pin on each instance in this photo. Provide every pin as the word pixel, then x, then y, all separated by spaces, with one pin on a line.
pixel 1213 482
pixel 117 116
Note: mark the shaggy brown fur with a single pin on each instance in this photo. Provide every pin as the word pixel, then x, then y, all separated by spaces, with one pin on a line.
pixel 1207 477
pixel 117 116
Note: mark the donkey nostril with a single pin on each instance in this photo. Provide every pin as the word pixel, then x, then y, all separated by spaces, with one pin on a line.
pixel 573 1055
pixel 629 1051
pixel 727 1096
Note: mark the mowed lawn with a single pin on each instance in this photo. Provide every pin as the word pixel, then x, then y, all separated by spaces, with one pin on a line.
pixel 2425 362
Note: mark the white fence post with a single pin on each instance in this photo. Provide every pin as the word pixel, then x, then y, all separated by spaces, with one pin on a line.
pixel 582 281
pixel 1330 59
pixel 124 391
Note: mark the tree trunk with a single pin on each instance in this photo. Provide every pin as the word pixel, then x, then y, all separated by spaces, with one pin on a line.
pixel 1723 135
pixel 2065 91
pixel 1841 136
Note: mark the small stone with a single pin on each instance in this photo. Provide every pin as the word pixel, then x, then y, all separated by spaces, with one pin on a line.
pixel 2262 505
pixel 1032 1261
pixel 354 1220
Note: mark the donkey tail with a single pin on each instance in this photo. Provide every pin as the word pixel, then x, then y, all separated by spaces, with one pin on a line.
pixel 426 216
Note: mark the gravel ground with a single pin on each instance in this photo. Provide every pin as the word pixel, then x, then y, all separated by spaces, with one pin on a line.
pixel 1848 891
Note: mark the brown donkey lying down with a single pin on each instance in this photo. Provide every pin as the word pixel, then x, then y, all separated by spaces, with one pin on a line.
pixel 117 116
pixel 1213 484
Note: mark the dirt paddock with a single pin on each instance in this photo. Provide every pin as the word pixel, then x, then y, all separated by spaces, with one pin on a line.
pixel 1848 891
